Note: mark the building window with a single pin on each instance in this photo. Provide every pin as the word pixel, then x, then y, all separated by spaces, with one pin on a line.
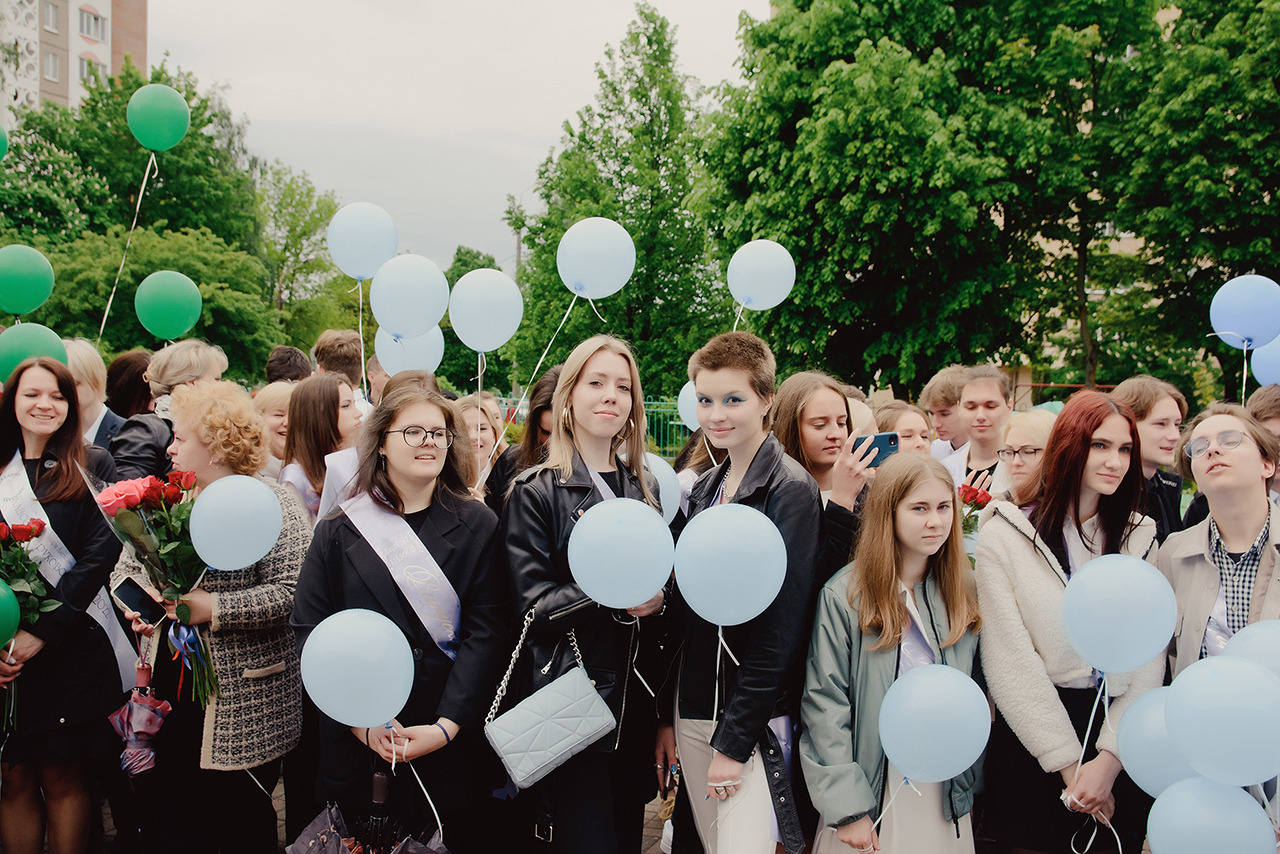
pixel 51 17
pixel 93 26
pixel 51 67
pixel 88 68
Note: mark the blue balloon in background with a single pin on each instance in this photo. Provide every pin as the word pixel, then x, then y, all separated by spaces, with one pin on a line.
pixel 730 563
pixel 1265 362
pixel 1119 612
pixel 668 485
pixel 1245 312
pixel 934 723
pixel 358 668
pixel 1148 753
pixel 687 405
pixel 596 257
pixel 485 309
pixel 409 354
pixel 761 274
pixel 1198 815
pixel 361 238
pixel 1259 643
pixel 236 520
pixel 1221 714
pixel 409 296
pixel 621 552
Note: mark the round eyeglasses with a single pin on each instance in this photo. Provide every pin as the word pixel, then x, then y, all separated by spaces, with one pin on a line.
pixel 1008 454
pixel 416 437
pixel 1226 440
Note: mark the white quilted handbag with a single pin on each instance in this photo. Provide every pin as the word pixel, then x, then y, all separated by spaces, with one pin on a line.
pixel 554 723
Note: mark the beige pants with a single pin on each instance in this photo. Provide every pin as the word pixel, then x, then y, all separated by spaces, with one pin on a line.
pixel 737 825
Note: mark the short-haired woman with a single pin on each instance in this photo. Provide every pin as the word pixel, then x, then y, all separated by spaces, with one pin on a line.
pixel 140 448
pixel 98 423
pixel 414 476
pixel 323 418
pixel 1088 504
pixel 226 756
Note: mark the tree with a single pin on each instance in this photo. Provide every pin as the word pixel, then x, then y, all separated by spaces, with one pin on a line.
pixel 294 217
pixel 862 142
pixel 631 157
pixel 459 365
pixel 1203 174
pixel 47 191
pixel 202 182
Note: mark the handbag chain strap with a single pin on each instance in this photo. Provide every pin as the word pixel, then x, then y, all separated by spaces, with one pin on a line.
pixel 515 656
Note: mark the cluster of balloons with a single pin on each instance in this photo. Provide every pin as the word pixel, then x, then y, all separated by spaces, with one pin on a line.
pixel 26 281
pixel 357 667
pixel 1194 744
pixel 244 505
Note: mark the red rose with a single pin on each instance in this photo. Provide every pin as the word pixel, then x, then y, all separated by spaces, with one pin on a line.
pixel 983 498
pixel 131 491
pixel 153 493
pixel 22 533
pixel 172 494
pixel 38 526
pixel 967 493
pixel 188 480
pixel 4 531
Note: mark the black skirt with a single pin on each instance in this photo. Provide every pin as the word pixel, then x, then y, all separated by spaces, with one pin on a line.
pixel 1023 804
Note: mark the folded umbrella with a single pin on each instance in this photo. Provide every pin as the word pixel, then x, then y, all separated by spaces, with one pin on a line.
pixel 137 722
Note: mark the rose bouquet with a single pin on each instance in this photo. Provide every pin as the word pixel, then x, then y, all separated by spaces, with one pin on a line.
pixel 152 518
pixel 972 501
pixel 20 573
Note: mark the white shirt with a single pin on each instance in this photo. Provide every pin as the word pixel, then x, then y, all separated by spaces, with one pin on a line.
pixel 91 432
pixel 365 407
pixel 940 449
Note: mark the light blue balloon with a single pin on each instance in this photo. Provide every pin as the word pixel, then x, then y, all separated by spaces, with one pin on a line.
pixel 362 237
pixel 409 296
pixel 1265 362
pixel 409 354
pixel 1198 815
pixel 621 552
pixel 1245 312
pixel 485 309
pixel 934 723
pixel 1054 406
pixel 687 405
pixel 1259 643
pixel 761 274
pixel 1119 612
pixel 730 564
pixel 596 257
pixel 236 520
pixel 1221 714
pixel 1148 753
pixel 668 485
pixel 358 668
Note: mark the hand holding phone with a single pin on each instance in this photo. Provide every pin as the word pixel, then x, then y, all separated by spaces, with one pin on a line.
pixel 132 596
pixel 885 444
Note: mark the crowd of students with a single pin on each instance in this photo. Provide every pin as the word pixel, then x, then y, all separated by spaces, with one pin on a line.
pixel 774 745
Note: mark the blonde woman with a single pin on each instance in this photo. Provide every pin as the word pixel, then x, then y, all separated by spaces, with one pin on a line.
pixel 483 418
pixel 1026 435
pixel 140 447
pixel 595 801
pixel 272 402
pixel 98 423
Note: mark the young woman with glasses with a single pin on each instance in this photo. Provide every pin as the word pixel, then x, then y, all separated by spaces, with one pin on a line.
pixel 1025 436
pixel 444 590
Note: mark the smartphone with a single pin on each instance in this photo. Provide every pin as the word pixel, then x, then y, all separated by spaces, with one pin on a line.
pixel 131 596
pixel 886 445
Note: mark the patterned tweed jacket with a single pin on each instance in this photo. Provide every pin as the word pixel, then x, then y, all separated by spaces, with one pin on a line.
pixel 257 716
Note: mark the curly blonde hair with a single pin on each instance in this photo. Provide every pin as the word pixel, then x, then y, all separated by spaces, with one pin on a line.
pixel 227 423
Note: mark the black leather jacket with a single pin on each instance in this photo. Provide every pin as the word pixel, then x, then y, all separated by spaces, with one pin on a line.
pixel 141 447
pixel 536 524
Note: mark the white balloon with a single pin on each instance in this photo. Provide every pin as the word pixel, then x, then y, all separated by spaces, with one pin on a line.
pixel 730 564
pixel 620 553
pixel 235 522
pixel 409 354
pixel 485 309
pixel 761 274
pixel 668 485
pixel 596 257
pixel 687 405
pixel 362 237
pixel 409 295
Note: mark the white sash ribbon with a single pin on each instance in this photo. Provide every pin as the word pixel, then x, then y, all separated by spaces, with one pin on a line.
pixel 18 503
pixel 412 567
pixel 605 492
pixel 340 471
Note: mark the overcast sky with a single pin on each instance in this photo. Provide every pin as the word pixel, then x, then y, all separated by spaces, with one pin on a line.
pixel 433 110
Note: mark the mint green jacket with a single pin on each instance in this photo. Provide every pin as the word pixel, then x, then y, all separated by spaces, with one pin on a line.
pixel 845 683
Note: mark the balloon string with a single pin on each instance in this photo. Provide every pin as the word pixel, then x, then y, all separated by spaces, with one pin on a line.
pixel 360 327
pixel 525 394
pixel 1102 687
pixel 480 365
pixel 592 303
pixel 152 171
pixel 430 803
pixel 257 782
pixel 738 317
pixel 894 797
pixel 1244 370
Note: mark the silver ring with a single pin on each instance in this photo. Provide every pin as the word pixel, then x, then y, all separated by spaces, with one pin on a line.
pixel 719 790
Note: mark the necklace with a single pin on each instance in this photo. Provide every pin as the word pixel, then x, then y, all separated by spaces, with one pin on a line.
pixel 726 494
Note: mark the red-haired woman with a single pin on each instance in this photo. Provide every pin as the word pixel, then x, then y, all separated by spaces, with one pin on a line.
pixel 1085 505
pixel 71 666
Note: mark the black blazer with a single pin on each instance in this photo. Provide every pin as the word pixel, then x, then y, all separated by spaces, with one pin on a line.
pixel 110 426
pixel 74 677
pixel 343 571
pixel 140 447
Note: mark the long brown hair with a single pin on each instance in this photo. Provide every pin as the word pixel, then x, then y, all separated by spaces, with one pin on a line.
pixel 459 465
pixel 873 585
pixel 1057 492
pixel 66 445
pixel 531 451
pixel 560 447
pixel 788 410
pixel 313 425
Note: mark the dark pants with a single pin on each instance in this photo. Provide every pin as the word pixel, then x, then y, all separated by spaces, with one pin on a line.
pixel 301 768
pixel 590 810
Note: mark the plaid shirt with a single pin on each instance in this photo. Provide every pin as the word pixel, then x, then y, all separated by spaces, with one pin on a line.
pixel 1237 576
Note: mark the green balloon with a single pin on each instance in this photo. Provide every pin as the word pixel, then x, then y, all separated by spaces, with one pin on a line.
pixel 26 279
pixel 158 116
pixel 25 340
pixel 4 143
pixel 168 304
pixel 9 614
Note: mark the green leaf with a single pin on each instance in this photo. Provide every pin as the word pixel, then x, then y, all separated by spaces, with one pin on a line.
pixel 171 594
pixel 20 585
pixel 48 605
pixel 183 612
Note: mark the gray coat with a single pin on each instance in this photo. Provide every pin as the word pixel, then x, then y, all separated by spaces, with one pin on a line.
pixel 845 683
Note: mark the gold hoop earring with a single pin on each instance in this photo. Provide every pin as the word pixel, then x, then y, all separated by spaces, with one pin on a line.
pixel 625 434
pixel 566 418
